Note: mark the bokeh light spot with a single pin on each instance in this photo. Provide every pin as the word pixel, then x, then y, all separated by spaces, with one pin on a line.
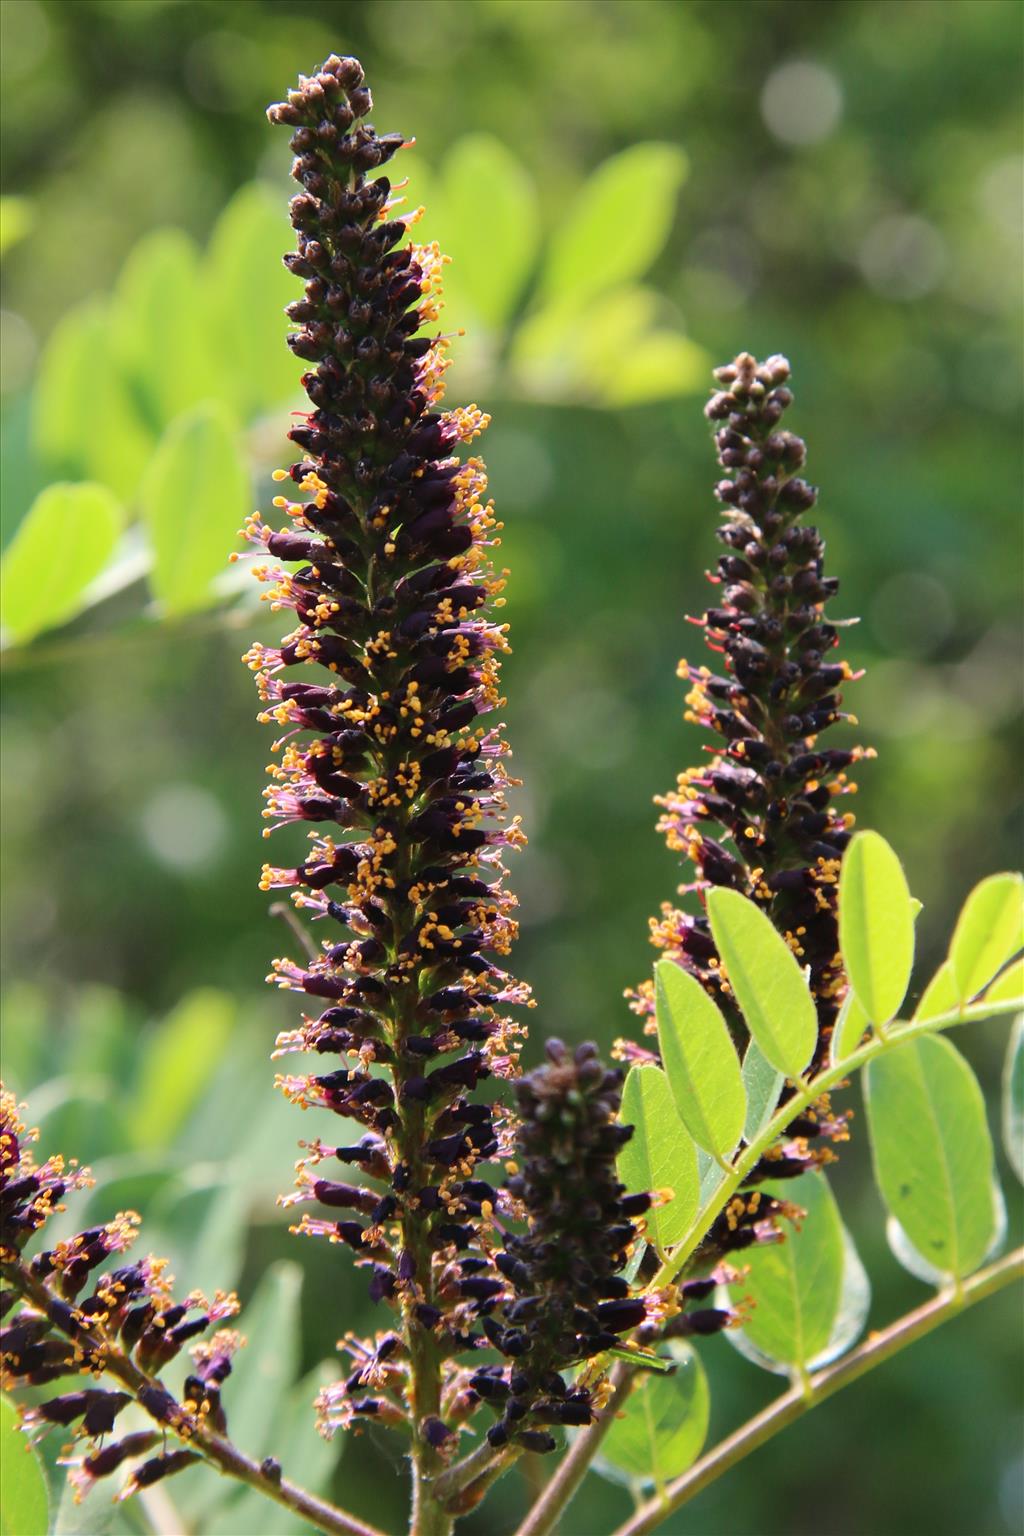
pixel 801 102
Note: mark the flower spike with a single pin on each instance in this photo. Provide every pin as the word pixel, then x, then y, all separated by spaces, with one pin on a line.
pixel 762 815
pixel 388 753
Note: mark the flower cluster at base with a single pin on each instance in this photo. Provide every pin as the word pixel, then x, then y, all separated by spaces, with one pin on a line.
pixel 76 1322
pixel 760 815
pixel 568 1299
pixel 405 783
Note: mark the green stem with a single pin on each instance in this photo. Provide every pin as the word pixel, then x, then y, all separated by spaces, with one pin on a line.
pixel 484 1462
pixel 821 1385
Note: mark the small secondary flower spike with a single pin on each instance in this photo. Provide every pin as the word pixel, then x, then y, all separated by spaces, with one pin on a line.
pixel 760 815
pixel 390 753
pixel 78 1320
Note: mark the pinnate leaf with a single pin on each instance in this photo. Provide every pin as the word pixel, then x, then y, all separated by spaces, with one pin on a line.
pixel 62 544
pixel 660 1155
pixel 876 925
pixel 989 930
pixel 796 1285
pixel 663 1431
pixel 932 1151
pixel 700 1060
pixel 767 980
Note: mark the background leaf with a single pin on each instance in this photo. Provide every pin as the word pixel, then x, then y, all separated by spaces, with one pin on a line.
pixel 23 1497
pixel 876 925
pixel 491 225
pixel 247 288
pixel 1013 1099
pixel 660 1153
pixel 162 335
pixel 305 1457
pixel 85 424
pixel 195 498
pixel 700 1060
pixel 178 1057
pixel 61 545
pixel 797 1285
pixel 989 930
pixel 767 981
pixel 665 1427
pixel 617 224
pixel 932 1151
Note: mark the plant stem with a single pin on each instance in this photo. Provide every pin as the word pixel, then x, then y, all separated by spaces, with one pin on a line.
pixel 547 1511
pixel 215 1449
pixel 821 1385
pixel 483 1461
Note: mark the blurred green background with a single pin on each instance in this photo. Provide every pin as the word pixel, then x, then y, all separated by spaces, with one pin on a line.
pixel 841 183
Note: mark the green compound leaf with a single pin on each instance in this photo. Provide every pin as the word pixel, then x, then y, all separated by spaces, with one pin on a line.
pixel 665 1427
pixel 988 931
pixel 939 995
pixel 763 1084
pixel 1013 1099
pixel 876 926
pixel 659 1155
pixel 492 244
pixel 247 288
pixel 798 1285
pixel 195 497
pixel 700 1060
pixel 932 1151
pixel 23 1497
pixel 597 246
pixel 1008 987
pixel 62 544
pixel 767 980
pixel 161 334
pixel 180 1055
pixel 85 425
pixel 850 1028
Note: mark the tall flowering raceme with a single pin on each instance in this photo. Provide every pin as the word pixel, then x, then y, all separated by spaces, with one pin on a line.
pixel 390 752
pixel 762 815
pixel 67 1318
